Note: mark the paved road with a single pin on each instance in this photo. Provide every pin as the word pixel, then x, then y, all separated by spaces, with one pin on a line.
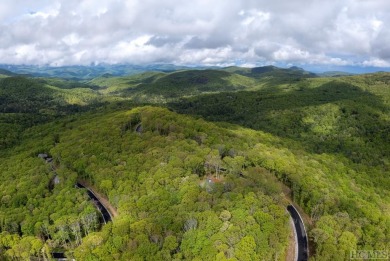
pixel 105 214
pixel 58 256
pixel 301 234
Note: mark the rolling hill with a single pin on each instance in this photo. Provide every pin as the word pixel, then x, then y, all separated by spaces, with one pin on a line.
pixel 5 73
pixel 78 72
pixel 25 102
pixel 281 74
pixel 164 87
pixel 207 171
pixel 165 202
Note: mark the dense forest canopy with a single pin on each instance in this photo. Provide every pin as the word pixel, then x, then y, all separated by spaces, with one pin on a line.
pixel 209 185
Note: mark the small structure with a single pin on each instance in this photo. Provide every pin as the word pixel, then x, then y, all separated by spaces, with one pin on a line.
pixel 56 180
pixel 209 183
pixel 43 156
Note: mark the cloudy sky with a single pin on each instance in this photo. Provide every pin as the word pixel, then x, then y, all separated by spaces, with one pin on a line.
pixel 332 33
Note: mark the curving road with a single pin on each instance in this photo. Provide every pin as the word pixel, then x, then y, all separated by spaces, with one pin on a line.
pixel 102 209
pixel 106 215
pixel 300 231
pixel 301 234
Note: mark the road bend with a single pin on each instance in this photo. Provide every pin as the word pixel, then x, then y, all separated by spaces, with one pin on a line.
pixel 302 240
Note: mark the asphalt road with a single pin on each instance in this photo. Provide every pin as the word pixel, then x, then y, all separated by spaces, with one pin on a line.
pixel 105 214
pixel 301 234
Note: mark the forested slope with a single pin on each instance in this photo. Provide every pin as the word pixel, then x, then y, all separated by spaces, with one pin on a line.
pixel 348 115
pixel 25 102
pixel 344 124
pixel 158 87
pixel 157 180
pixel 186 188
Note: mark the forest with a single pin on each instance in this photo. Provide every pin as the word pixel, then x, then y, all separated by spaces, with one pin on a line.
pixel 199 164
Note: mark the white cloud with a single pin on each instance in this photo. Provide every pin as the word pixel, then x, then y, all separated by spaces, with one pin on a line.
pixel 254 17
pixel 205 56
pixel 289 53
pixel 71 39
pixel 195 32
pixel 375 62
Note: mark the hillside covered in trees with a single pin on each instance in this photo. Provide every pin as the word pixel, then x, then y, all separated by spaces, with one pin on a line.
pixel 209 185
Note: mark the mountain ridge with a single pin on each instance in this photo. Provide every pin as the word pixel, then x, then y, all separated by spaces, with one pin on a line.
pixel 194 158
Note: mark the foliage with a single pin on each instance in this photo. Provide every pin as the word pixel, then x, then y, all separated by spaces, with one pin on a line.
pixel 186 188
pixel 332 150
pixel 136 171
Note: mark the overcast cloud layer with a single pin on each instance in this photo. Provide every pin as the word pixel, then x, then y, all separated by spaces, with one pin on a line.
pixel 197 32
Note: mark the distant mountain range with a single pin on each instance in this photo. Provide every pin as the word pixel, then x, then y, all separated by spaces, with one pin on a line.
pixel 206 169
pixel 89 72
pixel 77 72
pixel 335 74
